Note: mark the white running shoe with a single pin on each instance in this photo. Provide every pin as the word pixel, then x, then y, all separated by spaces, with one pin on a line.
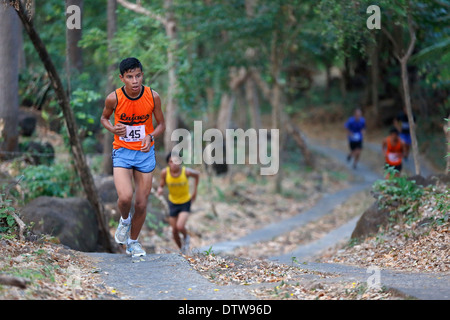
pixel 135 249
pixel 185 247
pixel 122 232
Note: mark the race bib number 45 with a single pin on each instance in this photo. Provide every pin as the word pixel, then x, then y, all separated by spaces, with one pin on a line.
pixel 134 134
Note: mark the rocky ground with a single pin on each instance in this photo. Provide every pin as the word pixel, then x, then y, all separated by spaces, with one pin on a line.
pixel 43 270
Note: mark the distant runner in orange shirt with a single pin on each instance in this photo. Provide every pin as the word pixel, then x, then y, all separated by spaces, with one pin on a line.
pixel 133 107
pixel 394 150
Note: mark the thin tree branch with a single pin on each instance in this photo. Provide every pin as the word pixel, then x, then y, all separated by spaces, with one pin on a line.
pixel 412 35
pixel 20 223
pixel 14 281
pixel 138 8
pixel 394 43
pixel 261 83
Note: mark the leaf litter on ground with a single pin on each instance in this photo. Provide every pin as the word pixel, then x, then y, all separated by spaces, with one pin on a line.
pixel 56 272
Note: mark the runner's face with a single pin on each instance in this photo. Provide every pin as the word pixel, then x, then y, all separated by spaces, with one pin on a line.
pixel 173 167
pixel 394 137
pixel 133 80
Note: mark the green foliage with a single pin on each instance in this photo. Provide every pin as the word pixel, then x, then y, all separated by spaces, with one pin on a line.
pixel 8 224
pixel 398 193
pixel 448 129
pixel 209 252
pixel 346 20
pixel 58 180
pixel 398 188
pixel 214 38
pixel 443 205
pixel 43 270
pixel 153 223
pixel 84 105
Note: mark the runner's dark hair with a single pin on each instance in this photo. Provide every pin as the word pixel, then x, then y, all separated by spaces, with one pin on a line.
pixel 393 130
pixel 129 64
pixel 169 155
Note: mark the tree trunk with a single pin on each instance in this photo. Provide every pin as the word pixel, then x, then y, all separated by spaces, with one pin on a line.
pixel 110 87
pixel 403 58
pixel 169 24
pixel 251 92
pixel 252 98
pixel 171 106
pixel 225 112
pixel 412 128
pixel 447 135
pixel 211 115
pixel 237 78
pixel 9 80
pixel 374 73
pixel 73 36
pixel 296 134
pixel 277 124
pixel 77 151
pixel 275 101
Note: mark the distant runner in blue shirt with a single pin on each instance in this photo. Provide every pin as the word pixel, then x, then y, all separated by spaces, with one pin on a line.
pixel 355 126
pixel 401 122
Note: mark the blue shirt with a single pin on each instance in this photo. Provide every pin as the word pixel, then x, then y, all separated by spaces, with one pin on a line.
pixel 355 127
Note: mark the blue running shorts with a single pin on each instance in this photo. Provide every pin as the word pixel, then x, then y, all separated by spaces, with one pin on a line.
pixel 134 159
pixel 406 138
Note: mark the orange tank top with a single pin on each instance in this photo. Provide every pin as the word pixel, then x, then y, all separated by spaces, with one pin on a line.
pixel 394 153
pixel 136 114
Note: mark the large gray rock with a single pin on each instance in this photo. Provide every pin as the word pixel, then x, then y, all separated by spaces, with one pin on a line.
pixel 71 220
pixel 374 217
pixel 106 189
pixel 371 221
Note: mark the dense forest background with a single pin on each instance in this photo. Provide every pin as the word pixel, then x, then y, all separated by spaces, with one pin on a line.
pixel 298 66
pixel 231 64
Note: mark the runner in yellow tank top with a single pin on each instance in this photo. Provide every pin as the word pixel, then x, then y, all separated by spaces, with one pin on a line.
pixel 178 186
pixel 176 178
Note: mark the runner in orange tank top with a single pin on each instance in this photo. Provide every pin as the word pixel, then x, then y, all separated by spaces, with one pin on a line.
pixel 134 106
pixel 393 150
pixel 136 115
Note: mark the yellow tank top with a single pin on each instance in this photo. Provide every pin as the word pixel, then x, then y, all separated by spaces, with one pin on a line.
pixel 178 187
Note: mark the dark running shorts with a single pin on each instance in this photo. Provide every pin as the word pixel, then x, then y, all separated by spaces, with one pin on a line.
pixel 175 209
pixel 355 145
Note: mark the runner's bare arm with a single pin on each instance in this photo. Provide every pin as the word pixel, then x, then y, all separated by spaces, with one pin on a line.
pixel 110 103
pixel 160 127
pixel 162 181
pixel 196 175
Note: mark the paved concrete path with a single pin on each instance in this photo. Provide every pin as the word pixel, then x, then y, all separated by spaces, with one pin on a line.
pixel 364 179
pixel 423 286
pixel 161 277
pixel 307 251
pixel 170 277
pixel 324 207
